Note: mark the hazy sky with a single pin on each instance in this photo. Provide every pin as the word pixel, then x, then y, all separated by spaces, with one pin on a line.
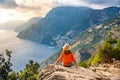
pixel 25 9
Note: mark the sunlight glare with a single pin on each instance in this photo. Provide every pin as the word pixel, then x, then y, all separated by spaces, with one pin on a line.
pixel 7 15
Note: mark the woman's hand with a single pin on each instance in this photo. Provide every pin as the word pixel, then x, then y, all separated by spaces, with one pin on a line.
pixel 52 65
pixel 76 66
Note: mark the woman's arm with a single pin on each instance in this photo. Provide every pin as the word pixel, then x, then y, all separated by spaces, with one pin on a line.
pixel 74 60
pixel 76 64
pixel 55 63
pixel 59 59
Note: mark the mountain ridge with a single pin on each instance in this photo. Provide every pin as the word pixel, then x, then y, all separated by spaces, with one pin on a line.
pixel 61 24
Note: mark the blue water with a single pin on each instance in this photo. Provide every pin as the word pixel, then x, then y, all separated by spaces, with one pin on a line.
pixel 23 50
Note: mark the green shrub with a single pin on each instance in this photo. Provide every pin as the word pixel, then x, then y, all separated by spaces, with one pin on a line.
pixel 107 52
pixel 116 51
pixel 83 64
pixel 5 65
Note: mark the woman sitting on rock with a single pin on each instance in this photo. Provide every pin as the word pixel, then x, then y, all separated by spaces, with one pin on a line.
pixel 67 57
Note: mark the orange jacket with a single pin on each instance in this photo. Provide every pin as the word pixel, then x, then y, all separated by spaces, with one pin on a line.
pixel 66 59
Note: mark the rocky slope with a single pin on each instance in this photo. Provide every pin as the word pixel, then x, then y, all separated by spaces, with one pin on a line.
pixel 95 34
pixel 62 24
pixel 100 72
pixel 108 71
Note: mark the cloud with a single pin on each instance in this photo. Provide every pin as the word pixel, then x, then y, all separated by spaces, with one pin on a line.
pixel 105 2
pixel 8 4
pixel 35 7
pixel 34 4
pixel 44 5
pixel 26 9
pixel 98 4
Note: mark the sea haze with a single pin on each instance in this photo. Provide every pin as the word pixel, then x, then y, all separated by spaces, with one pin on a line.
pixel 23 50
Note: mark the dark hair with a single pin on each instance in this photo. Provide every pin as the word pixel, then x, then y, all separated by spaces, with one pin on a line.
pixel 67 52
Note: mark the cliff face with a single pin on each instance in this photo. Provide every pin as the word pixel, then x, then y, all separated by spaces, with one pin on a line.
pixel 100 72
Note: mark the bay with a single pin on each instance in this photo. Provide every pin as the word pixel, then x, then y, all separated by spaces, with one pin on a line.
pixel 23 50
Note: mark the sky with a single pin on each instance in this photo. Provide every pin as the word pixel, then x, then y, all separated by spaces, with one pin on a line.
pixel 26 9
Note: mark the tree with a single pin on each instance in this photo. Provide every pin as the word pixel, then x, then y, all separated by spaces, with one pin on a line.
pixel 13 76
pixel 111 38
pixel 107 52
pixel 30 72
pixel 5 65
pixel 104 54
pixel 97 57
pixel 116 49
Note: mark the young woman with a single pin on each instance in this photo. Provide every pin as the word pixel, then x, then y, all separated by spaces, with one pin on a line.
pixel 67 57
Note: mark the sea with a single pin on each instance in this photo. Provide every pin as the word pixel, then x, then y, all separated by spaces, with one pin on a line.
pixel 23 50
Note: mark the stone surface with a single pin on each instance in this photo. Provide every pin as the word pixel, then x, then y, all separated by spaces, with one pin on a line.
pixel 100 72
pixel 67 73
pixel 108 71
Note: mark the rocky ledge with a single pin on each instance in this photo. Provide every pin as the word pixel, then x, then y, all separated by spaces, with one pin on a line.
pixel 100 72
pixel 67 73
pixel 108 71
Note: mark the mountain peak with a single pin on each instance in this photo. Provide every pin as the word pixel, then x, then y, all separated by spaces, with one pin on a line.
pixel 60 7
pixel 60 10
pixel 112 8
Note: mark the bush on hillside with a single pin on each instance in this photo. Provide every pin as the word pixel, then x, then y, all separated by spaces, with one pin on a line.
pixel 104 54
pixel 5 65
pixel 116 51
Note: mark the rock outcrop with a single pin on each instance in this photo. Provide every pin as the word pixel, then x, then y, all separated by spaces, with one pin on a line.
pixel 67 73
pixel 108 71
pixel 100 72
